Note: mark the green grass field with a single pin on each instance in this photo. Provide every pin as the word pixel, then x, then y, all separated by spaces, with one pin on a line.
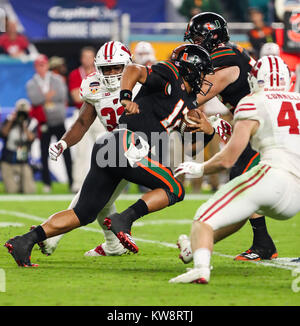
pixel 69 278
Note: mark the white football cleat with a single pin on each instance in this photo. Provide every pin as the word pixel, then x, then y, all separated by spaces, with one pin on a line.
pixel 200 275
pixel 184 245
pixel 49 245
pixel 104 250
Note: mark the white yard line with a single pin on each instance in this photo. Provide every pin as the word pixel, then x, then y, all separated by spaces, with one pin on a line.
pixel 69 197
pixel 7 224
pixel 282 263
pixel 9 198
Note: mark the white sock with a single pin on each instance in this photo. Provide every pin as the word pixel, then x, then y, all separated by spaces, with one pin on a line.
pixel 110 238
pixel 202 257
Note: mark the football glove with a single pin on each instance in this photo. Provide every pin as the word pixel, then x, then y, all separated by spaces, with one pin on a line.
pixel 56 149
pixel 190 168
pixel 221 126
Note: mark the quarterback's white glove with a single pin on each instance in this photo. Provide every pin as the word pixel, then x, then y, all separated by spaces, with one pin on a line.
pixel 221 126
pixel 191 168
pixel 56 149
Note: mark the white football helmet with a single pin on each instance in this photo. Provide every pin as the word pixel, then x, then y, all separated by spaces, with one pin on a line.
pixel 144 53
pixel 270 73
pixel 110 54
pixel 269 48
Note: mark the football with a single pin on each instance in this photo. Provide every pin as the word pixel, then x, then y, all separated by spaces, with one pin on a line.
pixel 185 120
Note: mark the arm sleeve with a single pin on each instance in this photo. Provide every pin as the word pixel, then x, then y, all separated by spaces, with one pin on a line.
pixel 198 145
pixel 208 138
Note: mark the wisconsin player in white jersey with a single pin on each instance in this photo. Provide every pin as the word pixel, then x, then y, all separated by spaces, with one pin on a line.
pixel 268 117
pixel 100 92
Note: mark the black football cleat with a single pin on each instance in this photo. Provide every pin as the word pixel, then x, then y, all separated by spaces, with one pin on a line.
pixel 20 248
pixel 257 254
pixel 121 228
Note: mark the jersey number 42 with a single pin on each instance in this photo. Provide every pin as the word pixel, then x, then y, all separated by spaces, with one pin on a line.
pixel 287 117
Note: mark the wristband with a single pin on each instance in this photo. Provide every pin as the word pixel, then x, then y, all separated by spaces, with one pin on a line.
pixel 125 94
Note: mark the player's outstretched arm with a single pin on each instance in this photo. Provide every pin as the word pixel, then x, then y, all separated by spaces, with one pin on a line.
pixel 226 158
pixel 75 133
pixel 87 116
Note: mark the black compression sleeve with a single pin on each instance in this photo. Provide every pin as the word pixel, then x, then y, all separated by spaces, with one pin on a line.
pixel 208 138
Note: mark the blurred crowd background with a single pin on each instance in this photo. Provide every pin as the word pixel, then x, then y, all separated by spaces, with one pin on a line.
pixel 47 47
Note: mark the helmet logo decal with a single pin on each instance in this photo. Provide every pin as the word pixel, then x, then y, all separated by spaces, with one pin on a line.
pixel 270 73
pixel 255 69
pixel 277 70
pixel 217 23
pixel 208 26
pixel 110 50
pixel 124 48
pixel 212 26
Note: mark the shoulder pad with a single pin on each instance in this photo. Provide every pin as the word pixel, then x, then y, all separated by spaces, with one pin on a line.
pixel 167 69
pixel 222 52
pixel 223 57
pixel 246 108
pixel 91 89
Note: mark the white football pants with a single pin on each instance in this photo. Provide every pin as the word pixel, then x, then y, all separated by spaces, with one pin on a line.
pixel 266 190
